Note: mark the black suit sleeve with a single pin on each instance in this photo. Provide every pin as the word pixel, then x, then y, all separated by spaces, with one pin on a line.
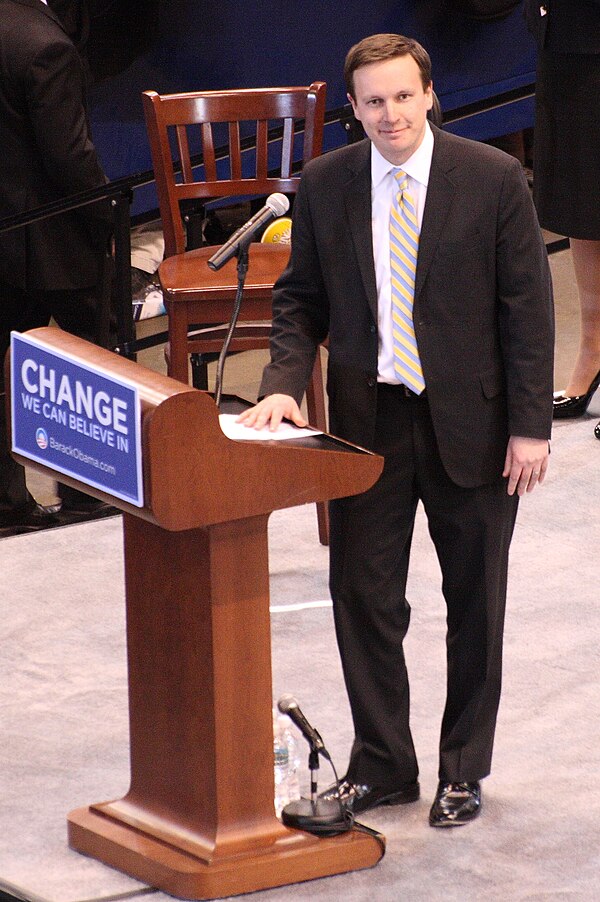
pixel 57 115
pixel 525 309
pixel 300 308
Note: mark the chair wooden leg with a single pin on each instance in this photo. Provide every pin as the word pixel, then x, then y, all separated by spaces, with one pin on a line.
pixel 178 357
pixel 323 521
pixel 315 404
pixel 199 372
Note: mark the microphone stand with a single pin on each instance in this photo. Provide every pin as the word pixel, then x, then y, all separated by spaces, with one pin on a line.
pixel 322 817
pixel 242 255
pixel 313 766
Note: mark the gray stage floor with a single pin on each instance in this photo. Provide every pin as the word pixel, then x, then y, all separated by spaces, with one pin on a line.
pixel 64 707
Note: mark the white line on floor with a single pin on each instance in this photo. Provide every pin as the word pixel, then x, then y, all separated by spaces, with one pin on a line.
pixel 301 606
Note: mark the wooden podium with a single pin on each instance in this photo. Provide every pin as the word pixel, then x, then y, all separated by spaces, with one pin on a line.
pixel 198 820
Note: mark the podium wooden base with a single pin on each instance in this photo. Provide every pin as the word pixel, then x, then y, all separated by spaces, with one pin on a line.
pixel 292 857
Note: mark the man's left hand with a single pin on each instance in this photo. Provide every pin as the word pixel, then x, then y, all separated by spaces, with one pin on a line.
pixel 526 463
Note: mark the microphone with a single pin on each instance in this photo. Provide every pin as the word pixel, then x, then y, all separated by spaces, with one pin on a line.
pixel 287 704
pixel 275 205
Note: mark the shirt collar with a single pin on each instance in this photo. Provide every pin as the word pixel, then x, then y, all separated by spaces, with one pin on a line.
pixel 417 166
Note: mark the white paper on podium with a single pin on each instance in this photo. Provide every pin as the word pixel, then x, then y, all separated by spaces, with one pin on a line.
pixel 240 433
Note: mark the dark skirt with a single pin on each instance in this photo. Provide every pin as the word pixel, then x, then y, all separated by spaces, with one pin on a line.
pixel 566 175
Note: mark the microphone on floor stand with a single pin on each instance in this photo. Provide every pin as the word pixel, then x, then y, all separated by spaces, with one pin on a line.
pixel 287 704
pixel 322 817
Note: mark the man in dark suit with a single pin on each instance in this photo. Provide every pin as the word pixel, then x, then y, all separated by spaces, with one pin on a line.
pixel 466 439
pixel 53 267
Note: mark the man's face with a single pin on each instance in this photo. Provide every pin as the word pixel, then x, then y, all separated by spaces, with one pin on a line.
pixel 392 105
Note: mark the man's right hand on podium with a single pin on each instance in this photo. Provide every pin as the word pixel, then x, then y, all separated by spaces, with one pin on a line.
pixel 272 410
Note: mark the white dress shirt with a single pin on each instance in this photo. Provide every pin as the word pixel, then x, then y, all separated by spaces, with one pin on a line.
pixel 383 187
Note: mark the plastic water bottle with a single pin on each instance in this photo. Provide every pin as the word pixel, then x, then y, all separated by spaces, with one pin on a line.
pixel 293 760
pixel 285 754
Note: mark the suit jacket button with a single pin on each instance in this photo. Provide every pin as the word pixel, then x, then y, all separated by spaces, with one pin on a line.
pixel 371 381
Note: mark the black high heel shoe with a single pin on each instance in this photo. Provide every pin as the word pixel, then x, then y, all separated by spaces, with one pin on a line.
pixel 565 406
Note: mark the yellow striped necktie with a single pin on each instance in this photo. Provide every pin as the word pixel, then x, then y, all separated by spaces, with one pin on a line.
pixel 404 248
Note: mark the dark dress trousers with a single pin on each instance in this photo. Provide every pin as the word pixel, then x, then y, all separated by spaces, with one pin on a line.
pixel 53 267
pixel 484 324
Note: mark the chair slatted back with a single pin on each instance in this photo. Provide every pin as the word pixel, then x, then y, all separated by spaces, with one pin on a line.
pixel 180 125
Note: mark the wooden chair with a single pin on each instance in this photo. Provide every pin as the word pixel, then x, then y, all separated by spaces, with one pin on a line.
pixel 282 126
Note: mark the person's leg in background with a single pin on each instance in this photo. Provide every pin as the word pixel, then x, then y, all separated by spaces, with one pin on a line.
pixel 19 510
pixel 586 261
pixel 75 311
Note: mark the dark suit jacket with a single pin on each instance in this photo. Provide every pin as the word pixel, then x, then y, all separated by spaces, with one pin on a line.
pixel 46 153
pixel 483 305
pixel 565 26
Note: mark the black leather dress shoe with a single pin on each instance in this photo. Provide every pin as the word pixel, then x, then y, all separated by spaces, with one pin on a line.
pixel 81 512
pixel 357 797
pixel 19 521
pixel 30 519
pixel 564 407
pixel 455 804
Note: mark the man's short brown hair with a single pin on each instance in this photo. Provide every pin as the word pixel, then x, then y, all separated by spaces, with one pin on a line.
pixel 380 47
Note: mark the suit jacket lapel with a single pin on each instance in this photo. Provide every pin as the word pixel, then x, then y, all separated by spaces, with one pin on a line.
pixel 357 200
pixel 440 197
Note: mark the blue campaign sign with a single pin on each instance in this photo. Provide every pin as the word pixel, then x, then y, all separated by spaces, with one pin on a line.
pixel 76 419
